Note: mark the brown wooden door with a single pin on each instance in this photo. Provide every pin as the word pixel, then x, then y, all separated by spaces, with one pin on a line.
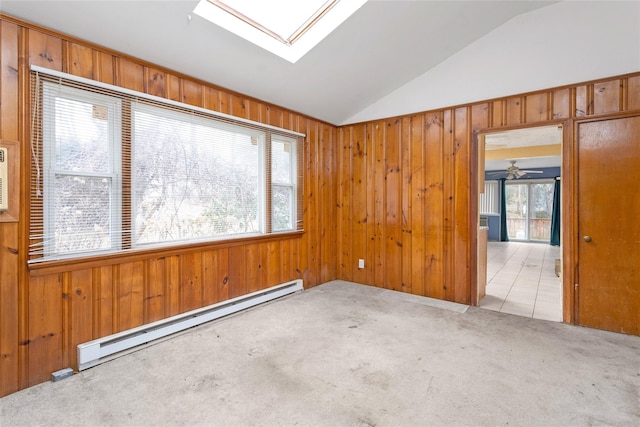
pixel 609 224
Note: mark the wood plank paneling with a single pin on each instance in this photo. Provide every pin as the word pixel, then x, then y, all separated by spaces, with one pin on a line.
pixel 379 193
pixel 561 104
pixel 9 314
pixel 12 324
pixel 173 88
pixel 370 260
pixel 253 108
pixel 190 281
pixel 9 81
pixel 172 290
pixel 357 191
pixel 253 267
pixel 238 107
pixel 448 171
pixel 479 117
pixel 498 113
pixel 223 274
pixel 45 327
pixel 80 298
pixel 154 298
pixel 130 75
pixel 192 93
pixel 607 97
pixel 284 268
pixel 393 205
pixel 633 93
pixel 45 51
pixel 275 116
pixel 416 221
pixel 434 206
pixel 103 320
pixel 537 108
pixel 237 271
pixel 406 202
pixel 515 111
pixel 344 206
pixel 327 202
pixel 105 71
pixel 272 252
pixel 581 102
pixel 129 285
pixel 462 193
pixel 311 213
pixel 81 62
pixel 209 275
pixel 155 82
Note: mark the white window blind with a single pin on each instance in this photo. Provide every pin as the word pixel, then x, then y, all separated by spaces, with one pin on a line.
pixel 193 178
pixel 489 200
pixel 81 176
pixel 283 161
pixel 113 170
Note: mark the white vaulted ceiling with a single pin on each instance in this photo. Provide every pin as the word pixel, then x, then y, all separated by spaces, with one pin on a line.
pixel 388 58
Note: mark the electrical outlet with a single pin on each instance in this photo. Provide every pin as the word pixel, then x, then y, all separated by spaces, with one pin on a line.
pixel 360 263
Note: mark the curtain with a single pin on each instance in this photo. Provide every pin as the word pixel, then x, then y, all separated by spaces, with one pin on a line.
pixel 555 215
pixel 504 234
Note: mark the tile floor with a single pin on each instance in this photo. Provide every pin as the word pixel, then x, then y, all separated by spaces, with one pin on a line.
pixel 521 280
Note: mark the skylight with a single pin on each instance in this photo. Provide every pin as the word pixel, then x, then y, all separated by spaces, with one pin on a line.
pixel 287 28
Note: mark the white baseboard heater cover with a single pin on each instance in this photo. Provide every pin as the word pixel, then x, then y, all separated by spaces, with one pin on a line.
pixel 97 351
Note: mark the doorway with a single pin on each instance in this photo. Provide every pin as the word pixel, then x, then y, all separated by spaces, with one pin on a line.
pixel 517 200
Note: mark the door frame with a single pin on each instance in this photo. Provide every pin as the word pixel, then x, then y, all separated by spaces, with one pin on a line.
pixel 568 229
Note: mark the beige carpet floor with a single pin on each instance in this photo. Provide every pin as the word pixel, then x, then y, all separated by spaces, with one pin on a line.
pixel 344 354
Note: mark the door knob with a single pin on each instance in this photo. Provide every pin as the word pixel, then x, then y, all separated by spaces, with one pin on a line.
pixel 587 239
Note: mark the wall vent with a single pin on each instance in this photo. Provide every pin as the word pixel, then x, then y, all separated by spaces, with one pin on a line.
pixel 4 171
pixel 97 351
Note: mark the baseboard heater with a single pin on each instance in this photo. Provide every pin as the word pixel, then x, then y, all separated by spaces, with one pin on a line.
pixel 97 351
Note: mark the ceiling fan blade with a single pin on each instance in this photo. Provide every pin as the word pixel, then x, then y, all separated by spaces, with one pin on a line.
pixel 496 173
pixel 510 176
pixel 519 173
pixel 532 171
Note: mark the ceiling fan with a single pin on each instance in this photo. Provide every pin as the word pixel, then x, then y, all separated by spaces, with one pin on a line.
pixel 513 171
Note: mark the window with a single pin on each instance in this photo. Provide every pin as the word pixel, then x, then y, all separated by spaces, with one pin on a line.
pixel 529 210
pixel 81 164
pixel 193 178
pixel 114 170
pixel 283 183
pixel 489 199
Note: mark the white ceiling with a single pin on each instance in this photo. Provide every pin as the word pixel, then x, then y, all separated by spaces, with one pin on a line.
pixel 522 138
pixel 527 137
pixel 377 50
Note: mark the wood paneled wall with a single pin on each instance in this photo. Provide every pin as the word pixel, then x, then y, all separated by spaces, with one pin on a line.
pixel 46 312
pixel 407 194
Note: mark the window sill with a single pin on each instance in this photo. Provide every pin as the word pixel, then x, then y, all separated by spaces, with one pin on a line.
pixel 79 263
